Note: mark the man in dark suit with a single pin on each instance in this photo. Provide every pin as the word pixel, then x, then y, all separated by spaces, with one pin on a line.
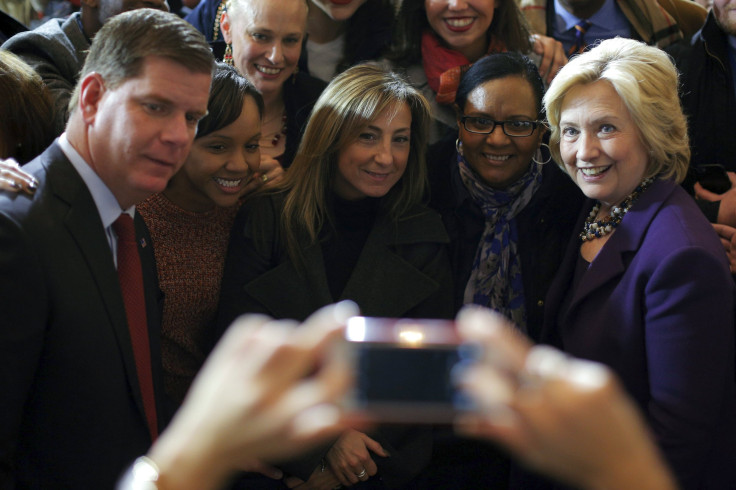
pixel 78 403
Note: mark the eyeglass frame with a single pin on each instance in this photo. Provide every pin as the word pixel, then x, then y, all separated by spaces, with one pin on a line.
pixel 535 125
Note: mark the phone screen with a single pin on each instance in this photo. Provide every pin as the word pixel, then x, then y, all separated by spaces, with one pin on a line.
pixel 409 380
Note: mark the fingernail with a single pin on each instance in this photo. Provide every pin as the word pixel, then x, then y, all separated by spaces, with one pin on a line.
pixel 33 185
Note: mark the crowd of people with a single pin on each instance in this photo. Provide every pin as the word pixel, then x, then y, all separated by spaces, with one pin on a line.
pixel 184 194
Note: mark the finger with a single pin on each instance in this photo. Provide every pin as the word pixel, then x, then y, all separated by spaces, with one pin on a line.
pixel 10 185
pixel 705 194
pixel 374 446
pixel 370 469
pixel 724 231
pixel 539 48
pixel 293 482
pixel 504 347
pixel 16 178
pixel 253 184
pixel 726 245
pixel 732 178
pixel 559 61
pixel 264 469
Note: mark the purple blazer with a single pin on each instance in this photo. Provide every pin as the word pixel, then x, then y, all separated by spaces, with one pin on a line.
pixel 657 306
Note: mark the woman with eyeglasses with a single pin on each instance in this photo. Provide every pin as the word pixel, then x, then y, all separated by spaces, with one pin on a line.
pixel 501 203
pixel 509 216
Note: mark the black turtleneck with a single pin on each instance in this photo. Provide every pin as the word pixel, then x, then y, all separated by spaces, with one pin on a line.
pixel 343 240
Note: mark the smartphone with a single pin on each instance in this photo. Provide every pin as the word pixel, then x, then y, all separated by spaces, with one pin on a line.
pixel 406 370
pixel 713 177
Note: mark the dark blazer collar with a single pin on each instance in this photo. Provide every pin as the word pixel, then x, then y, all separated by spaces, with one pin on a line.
pixel 83 222
pixel 382 283
pixel 611 260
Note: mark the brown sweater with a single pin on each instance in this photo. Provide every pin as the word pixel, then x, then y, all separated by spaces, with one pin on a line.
pixel 190 253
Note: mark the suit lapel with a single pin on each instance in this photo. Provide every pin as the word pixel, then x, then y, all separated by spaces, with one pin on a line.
pixel 383 283
pixel 286 292
pixel 83 222
pixel 615 256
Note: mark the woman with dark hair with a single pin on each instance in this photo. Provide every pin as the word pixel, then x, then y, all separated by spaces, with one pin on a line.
pixel 343 34
pixel 347 222
pixel 501 203
pixel 509 215
pixel 436 41
pixel 190 222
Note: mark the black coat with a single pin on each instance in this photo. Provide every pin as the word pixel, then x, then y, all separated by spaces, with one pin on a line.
pixel 544 227
pixel 71 414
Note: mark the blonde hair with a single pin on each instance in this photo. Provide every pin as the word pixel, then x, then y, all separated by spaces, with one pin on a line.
pixel 646 80
pixel 350 102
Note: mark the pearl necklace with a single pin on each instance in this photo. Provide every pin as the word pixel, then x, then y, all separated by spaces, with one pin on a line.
pixel 593 228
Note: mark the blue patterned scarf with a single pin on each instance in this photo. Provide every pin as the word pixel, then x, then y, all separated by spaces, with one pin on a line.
pixel 495 280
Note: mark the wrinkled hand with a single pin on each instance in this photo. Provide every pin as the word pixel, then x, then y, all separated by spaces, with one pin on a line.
pixel 565 417
pixel 350 456
pixel 727 208
pixel 268 390
pixel 13 179
pixel 727 234
pixel 552 53
pixel 318 480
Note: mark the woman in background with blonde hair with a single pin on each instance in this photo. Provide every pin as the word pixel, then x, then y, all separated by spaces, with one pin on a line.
pixel 348 222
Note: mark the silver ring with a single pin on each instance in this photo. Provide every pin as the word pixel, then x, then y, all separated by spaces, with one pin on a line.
pixel 362 473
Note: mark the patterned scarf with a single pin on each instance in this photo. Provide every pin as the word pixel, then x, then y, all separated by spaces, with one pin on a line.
pixel 495 280
pixel 444 67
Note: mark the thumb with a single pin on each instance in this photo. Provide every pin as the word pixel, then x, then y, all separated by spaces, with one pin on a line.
pixel 732 178
pixel 703 193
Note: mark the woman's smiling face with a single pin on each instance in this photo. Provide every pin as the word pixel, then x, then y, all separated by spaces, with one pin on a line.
pixel 372 164
pixel 600 143
pixel 266 38
pixel 498 159
pixel 463 26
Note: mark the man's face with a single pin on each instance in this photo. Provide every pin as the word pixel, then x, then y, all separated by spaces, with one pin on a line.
pixel 139 133
pixel 725 12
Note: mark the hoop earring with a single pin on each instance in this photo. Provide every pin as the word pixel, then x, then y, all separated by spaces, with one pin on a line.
pixel 228 57
pixel 459 147
pixel 539 155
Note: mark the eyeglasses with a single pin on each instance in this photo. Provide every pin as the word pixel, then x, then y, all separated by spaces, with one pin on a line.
pixel 484 125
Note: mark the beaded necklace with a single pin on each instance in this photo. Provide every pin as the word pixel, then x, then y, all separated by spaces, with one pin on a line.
pixel 594 228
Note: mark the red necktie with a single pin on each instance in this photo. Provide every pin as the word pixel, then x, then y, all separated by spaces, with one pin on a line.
pixel 130 276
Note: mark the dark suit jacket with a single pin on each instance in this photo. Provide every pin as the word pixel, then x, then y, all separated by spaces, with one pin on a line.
pixel 71 415
pixel 657 305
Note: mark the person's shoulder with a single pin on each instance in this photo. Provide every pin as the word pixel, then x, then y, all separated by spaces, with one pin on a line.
pixel 679 223
pixel 52 33
pixel 688 14
pixel 21 207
